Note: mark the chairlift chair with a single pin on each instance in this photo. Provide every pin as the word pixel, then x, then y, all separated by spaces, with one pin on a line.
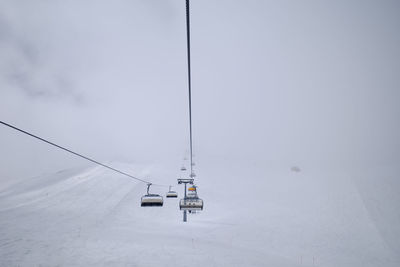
pixel 191 204
pixel 192 192
pixel 183 168
pixel 171 194
pixel 151 200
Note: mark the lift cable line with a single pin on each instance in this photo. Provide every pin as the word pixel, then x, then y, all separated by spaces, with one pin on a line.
pixel 77 154
pixel 190 202
pixel 189 82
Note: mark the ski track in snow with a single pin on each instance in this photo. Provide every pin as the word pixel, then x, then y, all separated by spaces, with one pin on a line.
pixel 92 217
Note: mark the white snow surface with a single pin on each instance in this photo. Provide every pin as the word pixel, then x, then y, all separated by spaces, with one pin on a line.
pixel 254 215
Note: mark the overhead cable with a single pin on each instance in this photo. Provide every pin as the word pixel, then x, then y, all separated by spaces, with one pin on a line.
pixel 76 154
pixel 189 83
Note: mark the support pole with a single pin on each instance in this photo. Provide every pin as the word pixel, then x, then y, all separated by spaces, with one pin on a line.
pixel 185 181
pixel 184 212
pixel 189 82
pixel 185 190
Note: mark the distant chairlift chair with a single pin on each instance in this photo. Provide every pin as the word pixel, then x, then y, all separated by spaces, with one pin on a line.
pixel 171 194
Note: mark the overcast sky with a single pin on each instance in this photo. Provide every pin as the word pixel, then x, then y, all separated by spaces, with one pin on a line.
pixel 272 80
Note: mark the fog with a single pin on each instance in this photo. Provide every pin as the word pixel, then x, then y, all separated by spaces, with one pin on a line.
pixel 295 119
pixel 290 81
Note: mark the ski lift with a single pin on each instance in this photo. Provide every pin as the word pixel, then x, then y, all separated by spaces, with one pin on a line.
pixel 183 168
pixel 192 192
pixel 171 194
pixel 192 175
pixel 150 200
pixel 191 202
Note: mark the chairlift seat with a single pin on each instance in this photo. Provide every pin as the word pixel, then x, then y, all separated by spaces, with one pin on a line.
pixel 191 204
pixel 171 194
pixel 150 200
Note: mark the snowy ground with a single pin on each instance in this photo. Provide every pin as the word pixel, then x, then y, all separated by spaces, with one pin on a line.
pixel 255 215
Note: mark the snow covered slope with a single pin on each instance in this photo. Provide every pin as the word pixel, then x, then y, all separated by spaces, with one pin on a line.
pixel 255 215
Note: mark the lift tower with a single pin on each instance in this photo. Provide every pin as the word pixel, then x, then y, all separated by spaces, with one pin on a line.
pixel 185 181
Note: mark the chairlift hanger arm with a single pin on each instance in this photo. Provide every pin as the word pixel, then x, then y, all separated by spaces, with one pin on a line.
pixel 148 188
